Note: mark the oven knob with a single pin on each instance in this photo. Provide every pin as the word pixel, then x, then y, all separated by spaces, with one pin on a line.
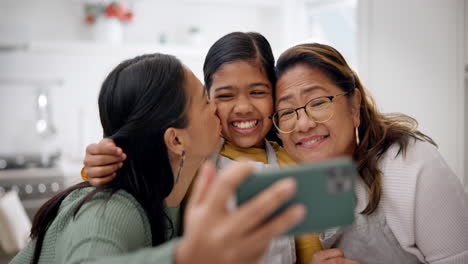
pixel 28 188
pixel 42 188
pixel 55 187
pixel 3 164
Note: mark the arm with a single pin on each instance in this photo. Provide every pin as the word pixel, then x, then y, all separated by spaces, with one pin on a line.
pixel 101 162
pixel 441 213
pixel 161 254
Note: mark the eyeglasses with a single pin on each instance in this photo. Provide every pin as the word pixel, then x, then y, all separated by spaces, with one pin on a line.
pixel 320 110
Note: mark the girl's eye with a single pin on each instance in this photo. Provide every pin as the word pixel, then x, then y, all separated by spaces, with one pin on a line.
pixel 258 92
pixel 224 96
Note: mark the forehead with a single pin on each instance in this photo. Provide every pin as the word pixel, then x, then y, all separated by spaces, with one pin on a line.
pixel 302 79
pixel 239 73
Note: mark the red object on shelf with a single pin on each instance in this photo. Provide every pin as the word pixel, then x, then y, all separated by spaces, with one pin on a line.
pixel 128 16
pixel 90 19
pixel 112 10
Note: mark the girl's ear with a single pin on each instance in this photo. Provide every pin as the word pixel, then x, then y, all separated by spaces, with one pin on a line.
pixel 356 107
pixel 173 140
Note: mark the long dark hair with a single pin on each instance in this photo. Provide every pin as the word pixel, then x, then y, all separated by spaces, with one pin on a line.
pixel 139 100
pixel 240 46
pixel 377 131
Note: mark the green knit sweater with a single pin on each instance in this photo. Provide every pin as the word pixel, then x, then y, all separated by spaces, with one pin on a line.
pixel 114 230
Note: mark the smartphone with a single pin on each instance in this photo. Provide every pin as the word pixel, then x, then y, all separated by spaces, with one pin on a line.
pixel 326 189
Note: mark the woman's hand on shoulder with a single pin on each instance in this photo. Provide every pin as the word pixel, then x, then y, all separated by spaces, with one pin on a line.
pixel 102 161
pixel 214 233
pixel 331 256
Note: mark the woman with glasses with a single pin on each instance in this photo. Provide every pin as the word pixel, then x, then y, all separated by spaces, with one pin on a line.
pixel 411 208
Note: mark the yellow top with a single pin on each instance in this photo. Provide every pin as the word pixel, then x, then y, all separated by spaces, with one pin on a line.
pixel 258 154
pixel 306 245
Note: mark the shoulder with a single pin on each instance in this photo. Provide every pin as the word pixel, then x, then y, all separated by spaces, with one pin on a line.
pixel 120 203
pixel 107 200
pixel 421 159
pixel 402 172
pixel 418 152
pixel 118 214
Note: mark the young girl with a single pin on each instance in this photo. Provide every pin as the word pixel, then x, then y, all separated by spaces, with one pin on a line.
pixel 239 76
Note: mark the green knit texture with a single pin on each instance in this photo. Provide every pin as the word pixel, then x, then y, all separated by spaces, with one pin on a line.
pixel 105 230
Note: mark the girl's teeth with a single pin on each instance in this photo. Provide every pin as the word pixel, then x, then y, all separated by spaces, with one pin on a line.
pixel 247 124
pixel 313 141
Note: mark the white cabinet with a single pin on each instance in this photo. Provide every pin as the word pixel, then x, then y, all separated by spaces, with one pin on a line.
pixel 73 73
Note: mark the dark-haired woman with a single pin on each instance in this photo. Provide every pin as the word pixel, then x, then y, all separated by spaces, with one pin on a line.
pixel 159 114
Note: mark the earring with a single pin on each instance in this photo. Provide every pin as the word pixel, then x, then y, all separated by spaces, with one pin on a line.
pixel 181 165
pixel 357 136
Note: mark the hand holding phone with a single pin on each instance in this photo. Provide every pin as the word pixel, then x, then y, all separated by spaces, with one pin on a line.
pixel 326 189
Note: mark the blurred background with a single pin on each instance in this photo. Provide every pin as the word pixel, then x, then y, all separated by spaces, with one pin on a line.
pixel 54 54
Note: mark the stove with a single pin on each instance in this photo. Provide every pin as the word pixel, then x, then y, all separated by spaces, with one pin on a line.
pixel 34 185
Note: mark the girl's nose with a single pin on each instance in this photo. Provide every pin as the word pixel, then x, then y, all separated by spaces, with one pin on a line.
pixel 243 106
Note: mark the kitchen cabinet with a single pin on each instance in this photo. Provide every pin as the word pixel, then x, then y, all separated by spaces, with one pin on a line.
pixel 74 72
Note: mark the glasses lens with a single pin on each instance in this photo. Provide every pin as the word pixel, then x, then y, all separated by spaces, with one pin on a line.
pixel 320 110
pixel 285 120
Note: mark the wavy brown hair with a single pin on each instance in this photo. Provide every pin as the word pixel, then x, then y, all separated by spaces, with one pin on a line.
pixel 377 131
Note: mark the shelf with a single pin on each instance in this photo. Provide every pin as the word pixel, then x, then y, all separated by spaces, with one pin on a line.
pixel 77 48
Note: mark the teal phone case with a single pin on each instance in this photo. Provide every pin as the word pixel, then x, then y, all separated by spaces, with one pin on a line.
pixel 326 190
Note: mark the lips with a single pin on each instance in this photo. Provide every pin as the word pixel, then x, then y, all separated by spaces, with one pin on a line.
pixel 245 126
pixel 312 141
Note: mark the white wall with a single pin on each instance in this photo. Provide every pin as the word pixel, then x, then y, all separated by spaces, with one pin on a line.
pixel 63 20
pixel 411 58
pixel 466 92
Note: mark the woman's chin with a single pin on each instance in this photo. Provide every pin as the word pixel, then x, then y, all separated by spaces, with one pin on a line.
pixel 248 142
pixel 312 157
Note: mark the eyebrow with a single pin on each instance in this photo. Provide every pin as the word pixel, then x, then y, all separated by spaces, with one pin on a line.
pixel 303 91
pixel 253 85
pixel 228 87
